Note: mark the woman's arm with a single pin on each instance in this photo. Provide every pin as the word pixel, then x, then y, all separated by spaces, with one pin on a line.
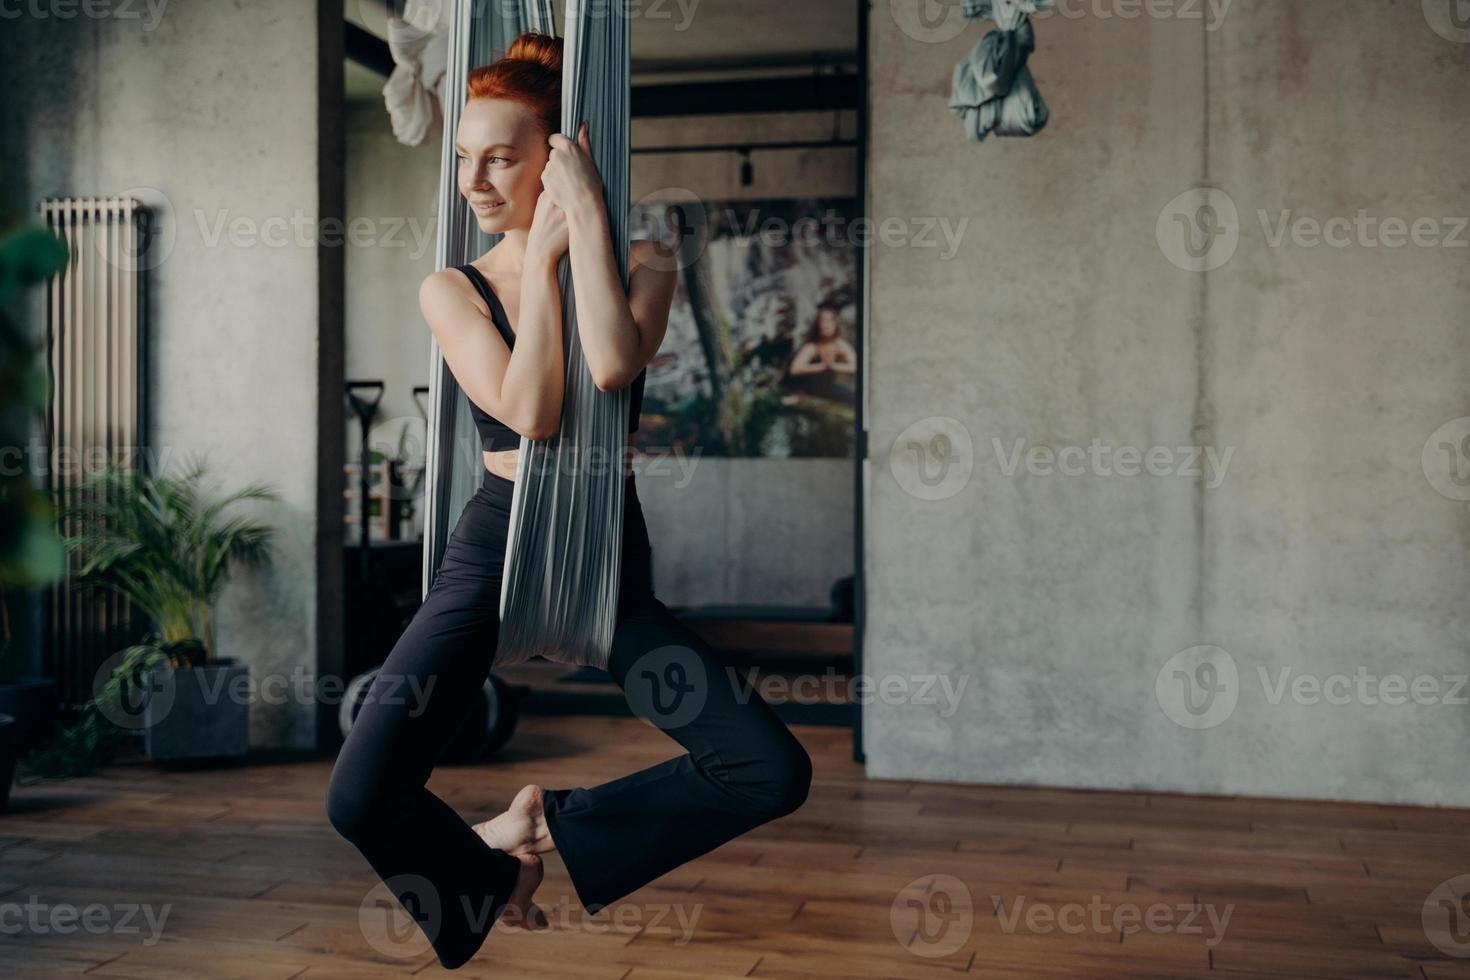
pixel 520 387
pixel 620 330
pixel 844 360
pixel 807 361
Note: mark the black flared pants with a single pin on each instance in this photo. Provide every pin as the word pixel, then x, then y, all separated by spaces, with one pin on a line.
pixel 742 766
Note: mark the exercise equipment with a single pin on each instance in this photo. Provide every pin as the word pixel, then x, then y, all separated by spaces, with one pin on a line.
pixel 563 550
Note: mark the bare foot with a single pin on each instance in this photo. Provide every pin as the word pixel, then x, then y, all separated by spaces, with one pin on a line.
pixel 521 829
pixel 520 912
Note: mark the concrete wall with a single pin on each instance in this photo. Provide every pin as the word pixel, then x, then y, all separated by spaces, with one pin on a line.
pixel 208 114
pixel 1073 607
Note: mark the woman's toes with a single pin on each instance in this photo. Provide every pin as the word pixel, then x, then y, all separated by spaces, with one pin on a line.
pixel 520 911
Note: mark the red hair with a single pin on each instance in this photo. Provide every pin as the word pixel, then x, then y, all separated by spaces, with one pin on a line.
pixel 530 73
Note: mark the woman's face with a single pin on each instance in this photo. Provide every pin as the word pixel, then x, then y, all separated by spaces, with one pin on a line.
pixel 827 323
pixel 502 151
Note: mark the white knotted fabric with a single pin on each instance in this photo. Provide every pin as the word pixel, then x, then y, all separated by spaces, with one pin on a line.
pixel 563 555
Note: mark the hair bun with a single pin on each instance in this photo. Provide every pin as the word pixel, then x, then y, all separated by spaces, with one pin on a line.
pixel 542 49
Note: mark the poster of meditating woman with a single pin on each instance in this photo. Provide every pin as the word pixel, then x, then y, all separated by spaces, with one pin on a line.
pixel 759 359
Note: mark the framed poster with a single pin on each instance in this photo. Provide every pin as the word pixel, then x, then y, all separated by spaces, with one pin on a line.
pixel 759 358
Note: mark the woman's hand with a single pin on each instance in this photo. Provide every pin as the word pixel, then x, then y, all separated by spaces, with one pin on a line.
pixel 570 176
pixel 550 236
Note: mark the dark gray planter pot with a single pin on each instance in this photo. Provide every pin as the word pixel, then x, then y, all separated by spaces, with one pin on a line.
pixel 31 701
pixel 7 758
pixel 197 712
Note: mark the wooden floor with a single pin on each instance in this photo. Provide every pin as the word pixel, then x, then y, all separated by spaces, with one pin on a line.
pixel 868 879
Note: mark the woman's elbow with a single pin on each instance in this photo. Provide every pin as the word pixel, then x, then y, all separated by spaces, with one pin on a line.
pixel 538 429
pixel 607 380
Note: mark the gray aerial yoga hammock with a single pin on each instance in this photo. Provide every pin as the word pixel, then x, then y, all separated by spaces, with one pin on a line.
pixel 564 546
pixel 993 91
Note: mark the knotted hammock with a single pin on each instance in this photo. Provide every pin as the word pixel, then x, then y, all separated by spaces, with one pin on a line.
pixel 564 548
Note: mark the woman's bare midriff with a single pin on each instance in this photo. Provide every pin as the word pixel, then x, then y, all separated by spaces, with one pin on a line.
pixel 503 462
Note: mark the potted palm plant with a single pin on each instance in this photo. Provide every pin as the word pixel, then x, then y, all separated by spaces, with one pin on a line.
pixel 156 541
pixel 30 550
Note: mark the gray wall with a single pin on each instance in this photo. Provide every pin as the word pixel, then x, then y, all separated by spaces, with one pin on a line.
pixel 1071 605
pixel 210 113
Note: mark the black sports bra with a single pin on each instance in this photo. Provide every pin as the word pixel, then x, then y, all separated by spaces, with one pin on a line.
pixel 495 434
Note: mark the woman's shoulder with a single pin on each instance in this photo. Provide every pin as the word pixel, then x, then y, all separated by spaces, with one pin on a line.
pixel 447 288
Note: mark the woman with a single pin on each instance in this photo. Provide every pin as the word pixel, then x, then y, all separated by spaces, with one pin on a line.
pixel 498 322
pixel 820 358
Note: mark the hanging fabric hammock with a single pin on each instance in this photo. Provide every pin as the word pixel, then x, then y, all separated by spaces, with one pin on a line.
pixel 564 546
pixel 418 42
pixel 993 91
